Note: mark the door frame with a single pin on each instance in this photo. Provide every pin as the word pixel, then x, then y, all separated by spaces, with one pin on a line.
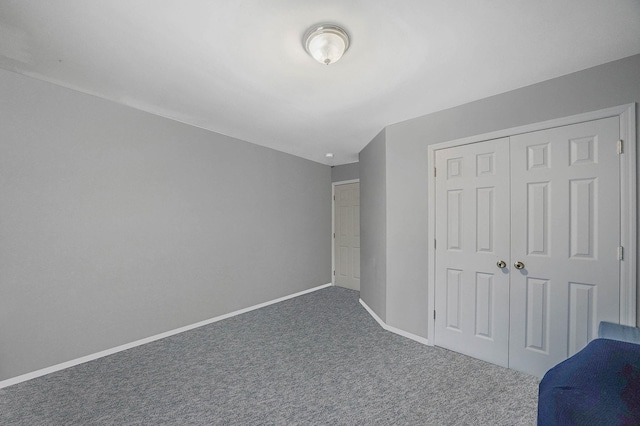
pixel 628 200
pixel 333 224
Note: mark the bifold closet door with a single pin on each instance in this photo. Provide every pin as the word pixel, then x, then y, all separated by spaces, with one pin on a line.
pixel 472 238
pixel 565 228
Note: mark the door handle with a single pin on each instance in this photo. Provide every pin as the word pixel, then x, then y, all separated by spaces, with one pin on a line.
pixel 518 265
pixel 501 264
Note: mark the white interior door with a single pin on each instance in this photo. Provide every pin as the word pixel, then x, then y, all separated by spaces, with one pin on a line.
pixel 472 236
pixel 565 229
pixel 347 235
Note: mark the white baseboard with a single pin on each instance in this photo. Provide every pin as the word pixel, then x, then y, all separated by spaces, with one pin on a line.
pixel 393 329
pixel 373 314
pixel 87 358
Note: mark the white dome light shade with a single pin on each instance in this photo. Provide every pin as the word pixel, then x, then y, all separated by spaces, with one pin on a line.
pixel 326 43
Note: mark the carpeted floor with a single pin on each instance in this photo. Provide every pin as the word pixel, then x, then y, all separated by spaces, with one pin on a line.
pixel 316 359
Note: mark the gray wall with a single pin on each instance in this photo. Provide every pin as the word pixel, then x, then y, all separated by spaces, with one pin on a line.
pixel 116 225
pixel 612 84
pixel 373 225
pixel 344 172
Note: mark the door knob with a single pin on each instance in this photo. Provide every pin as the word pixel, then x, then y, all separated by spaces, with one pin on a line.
pixel 501 264
pixel 519 265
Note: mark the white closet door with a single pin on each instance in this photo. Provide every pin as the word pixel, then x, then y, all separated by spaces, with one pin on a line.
pixel 472 235
pixel 565 227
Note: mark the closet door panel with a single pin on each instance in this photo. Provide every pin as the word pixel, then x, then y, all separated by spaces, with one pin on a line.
pixel 472 213
pixel 565 228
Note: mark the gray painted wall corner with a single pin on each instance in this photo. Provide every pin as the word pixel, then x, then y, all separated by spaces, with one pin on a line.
pixel 373 218
pixel 344 172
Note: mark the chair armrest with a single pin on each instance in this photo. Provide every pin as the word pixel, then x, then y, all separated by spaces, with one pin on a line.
pixel 623 333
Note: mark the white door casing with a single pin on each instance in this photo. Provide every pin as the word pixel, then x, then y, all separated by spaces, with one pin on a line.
pixel 347 235
pixel 472 199
pixel 572 207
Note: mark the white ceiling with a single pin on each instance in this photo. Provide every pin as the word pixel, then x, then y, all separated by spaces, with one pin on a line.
pixel 238 67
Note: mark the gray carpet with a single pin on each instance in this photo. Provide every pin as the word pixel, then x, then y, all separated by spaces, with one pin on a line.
pixel 316 359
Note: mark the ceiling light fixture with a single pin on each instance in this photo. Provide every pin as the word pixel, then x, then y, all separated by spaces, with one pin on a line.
pixel 326 43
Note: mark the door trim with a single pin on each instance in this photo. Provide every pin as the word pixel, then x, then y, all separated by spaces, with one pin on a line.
pixel 628 198
pixel 333 224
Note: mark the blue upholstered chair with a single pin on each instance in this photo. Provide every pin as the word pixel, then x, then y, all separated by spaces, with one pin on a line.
pixel 600 385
